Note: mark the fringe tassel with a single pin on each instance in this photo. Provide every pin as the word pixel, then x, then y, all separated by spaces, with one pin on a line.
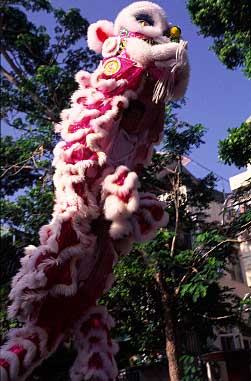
pixel 164 87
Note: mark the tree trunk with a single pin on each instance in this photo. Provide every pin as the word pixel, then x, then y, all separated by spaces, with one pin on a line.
pixel 171 345
pixel 170 332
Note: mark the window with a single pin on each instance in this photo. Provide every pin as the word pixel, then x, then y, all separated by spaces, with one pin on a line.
pixel 246 344
pixel 231 342
pixel 234 268
pixel 227 343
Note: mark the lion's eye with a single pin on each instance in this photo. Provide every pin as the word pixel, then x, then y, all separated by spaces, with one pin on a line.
pixel 144 19
pixel 143 23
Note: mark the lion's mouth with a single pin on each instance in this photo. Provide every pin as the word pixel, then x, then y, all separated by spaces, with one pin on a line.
pixel 150 41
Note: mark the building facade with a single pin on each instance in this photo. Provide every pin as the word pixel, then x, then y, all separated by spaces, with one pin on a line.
pixel 231 361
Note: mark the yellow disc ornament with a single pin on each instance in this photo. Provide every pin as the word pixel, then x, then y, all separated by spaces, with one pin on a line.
pixel 111 66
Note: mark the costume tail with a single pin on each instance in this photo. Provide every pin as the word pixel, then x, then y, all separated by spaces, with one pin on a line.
pixel 95 348
pixel 25 349
pixel 29 346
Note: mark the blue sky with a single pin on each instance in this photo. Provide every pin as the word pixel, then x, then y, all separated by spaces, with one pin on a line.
pixel 216 97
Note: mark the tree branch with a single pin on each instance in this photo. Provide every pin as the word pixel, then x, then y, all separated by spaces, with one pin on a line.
pixel 192 269
pixel 50 114
pixel 176 186
pixel 232 240
pixel 216 317
pixel 12 64
pixel 8 76
pixel 244 228
pixel 21 165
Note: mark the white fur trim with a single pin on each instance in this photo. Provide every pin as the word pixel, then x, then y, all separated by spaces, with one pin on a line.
pixel 30 348
pixel 83 78
pixel 93 38
pixel 126 19
pixel 90 96
pixel 114 208
pixel 99 309
pixel 29 330
pixel 110 47
pixel 139 51
pixel 120 229
pixel 13 361
pixel 68 290
pixel 130 182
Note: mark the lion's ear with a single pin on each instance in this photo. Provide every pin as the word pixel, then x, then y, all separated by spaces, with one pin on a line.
pixel 98 33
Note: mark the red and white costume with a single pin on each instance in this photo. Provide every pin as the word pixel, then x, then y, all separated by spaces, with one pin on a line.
pixel 115 119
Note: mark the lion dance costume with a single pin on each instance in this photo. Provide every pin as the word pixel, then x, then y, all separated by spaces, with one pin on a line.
pixel 115 119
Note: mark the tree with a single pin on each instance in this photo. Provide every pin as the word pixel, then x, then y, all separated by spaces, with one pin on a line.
pixel 236 148
pixel 169 286
pixel 37 74
pixel 228 23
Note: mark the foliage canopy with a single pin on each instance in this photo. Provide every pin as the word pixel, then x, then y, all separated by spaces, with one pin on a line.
pixel 236 148
pixel 228 23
